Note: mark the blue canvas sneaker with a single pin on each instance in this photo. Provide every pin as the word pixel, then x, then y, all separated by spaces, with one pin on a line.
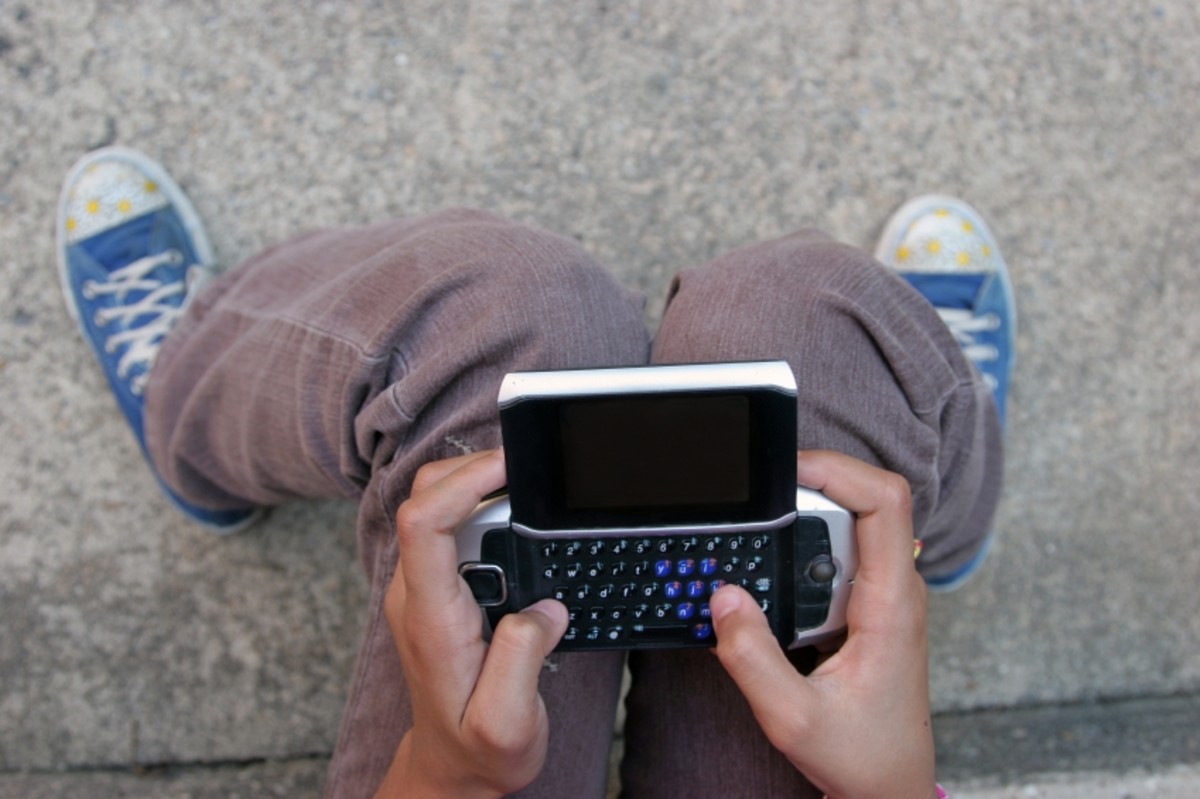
pixel 132 254
pixel 945 250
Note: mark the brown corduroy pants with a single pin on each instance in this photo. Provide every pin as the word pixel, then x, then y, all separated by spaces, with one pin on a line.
pixel 336 364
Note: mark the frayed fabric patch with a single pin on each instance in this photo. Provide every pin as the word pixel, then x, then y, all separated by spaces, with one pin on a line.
pixel 459 444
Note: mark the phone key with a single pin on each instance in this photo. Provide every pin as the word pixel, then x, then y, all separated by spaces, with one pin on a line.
pixel 574 570
pixel 620 546
pixel 664 545
pixel 686 567
pixel 573 548
pixel 550 571
pixel 641 611
pixel 708 567
pixel 572 634
pixel 754 564
pixel 606 591
pixel 550 549
pixel 713 544
pixel 732 564
pixel 760 542
pixel 696 589
pixel 662 568
pixel 688 544
pixel 663 611
pixel 658 630
pixel 685 611
pixel 618 568
pixel 593 634
pixel 737 542
pixel 596 614
pixel 595 547
pixel 573 613
pixel 641 568
pixel 617 613
pixel 643 546
pixel 702 631
pixel 561 593
pixel 673 590
pixel 629 590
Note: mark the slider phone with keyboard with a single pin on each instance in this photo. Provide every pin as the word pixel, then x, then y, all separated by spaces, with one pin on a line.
pixel 634 493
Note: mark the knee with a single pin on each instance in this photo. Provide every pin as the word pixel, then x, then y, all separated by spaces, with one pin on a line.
pixel 538 300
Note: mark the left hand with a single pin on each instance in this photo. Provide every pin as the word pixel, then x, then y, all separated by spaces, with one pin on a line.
pixel 479 725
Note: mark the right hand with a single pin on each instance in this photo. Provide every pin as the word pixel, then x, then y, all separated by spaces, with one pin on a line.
pixel 859 726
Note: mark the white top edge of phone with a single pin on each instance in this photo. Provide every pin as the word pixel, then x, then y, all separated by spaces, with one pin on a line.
pixel 640 380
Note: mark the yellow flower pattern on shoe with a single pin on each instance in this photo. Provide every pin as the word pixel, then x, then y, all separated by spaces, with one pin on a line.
pixel 943 242
pixel 108 195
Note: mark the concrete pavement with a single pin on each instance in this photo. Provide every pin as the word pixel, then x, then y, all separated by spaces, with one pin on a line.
pixel 658 134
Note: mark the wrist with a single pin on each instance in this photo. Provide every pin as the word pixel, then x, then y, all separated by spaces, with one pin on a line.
pixel 413 776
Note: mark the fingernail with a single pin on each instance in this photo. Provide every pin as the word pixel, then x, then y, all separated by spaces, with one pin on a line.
pixel 551 609
pixel 722 603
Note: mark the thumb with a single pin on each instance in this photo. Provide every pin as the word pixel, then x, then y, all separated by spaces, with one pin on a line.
pixel 508 682
pixel 777 693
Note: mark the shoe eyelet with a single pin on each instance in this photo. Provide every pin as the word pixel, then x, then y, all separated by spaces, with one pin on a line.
pixel 993 321
pixel 174 257
pixel 109 347
pixel 89 290
pixel 100 319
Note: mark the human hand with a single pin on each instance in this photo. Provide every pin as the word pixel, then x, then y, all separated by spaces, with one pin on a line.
pixel 859 726
pixel 479 724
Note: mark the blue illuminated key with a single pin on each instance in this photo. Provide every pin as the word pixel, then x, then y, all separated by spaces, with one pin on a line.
pixel 708 567
pixel 673 590
pixel 662 568
pixel 702 631
pixel 686 567
pixel 685 611
pixel 696 589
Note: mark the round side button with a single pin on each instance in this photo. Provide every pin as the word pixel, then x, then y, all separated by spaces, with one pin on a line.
pixel 822 569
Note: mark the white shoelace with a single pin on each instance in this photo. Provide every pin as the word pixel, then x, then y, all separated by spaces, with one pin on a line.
pixel 143 341
pixel 964 325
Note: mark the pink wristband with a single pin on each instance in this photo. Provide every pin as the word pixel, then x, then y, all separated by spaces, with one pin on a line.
pixel 942 792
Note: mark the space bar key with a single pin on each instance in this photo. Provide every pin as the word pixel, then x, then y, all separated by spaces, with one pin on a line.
pixel 658 630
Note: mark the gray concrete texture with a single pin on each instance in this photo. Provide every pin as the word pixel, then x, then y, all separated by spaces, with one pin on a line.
pixel 659 135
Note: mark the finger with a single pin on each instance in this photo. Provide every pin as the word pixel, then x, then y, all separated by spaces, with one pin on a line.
pixel 881 501
pixel 779 696
pixel 505 702
pixel 434 471
pixel 426 522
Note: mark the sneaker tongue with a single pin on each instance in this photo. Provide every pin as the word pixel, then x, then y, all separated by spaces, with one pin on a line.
pixel 121 246
pixel 948 290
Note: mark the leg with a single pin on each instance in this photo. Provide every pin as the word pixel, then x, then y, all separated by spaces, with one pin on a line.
pixel 880 378
pixel 337 364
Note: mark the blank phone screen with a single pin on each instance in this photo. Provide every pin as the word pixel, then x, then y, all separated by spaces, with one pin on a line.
pixel 638 452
